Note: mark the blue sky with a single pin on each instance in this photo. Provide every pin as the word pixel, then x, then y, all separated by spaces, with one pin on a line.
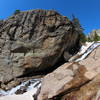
pixel 88 11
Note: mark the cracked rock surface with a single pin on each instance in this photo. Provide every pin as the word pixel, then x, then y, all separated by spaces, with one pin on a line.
pixel 32 41
pixel 74 80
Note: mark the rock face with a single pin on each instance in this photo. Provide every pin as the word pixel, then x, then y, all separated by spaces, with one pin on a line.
pixel 97 31
pixel 90 91
pixel 33 41
pixel 74 80
pixel 93 32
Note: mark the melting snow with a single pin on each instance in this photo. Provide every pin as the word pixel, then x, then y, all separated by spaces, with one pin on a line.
pixel 85 47
pixel 86 50
pixel 35 84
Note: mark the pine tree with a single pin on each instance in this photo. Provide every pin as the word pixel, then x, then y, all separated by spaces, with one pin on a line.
pixel 96 37
pixel 17 11
pixel 89 39
pixel 79 29
pixel 77 24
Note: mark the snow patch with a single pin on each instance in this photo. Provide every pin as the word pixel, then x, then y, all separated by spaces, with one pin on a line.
pixel 86 50
pixel 33 85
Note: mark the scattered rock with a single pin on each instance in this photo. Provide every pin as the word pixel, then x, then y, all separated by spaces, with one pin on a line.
pixel 30 85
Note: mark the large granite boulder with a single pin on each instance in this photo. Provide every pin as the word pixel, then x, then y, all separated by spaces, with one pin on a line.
pixel 74 80
pixel 90 91
pixel 34 41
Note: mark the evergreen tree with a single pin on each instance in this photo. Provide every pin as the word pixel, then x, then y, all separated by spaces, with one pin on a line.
pixel 89 39
pixel 79 29
pixel 96 37
pixel 17 11
pixel 77 24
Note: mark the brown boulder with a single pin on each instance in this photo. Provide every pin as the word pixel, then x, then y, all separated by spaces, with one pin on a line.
pixel 72 76
pixel 90 91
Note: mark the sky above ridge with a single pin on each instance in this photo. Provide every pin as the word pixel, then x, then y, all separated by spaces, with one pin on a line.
pixel 87 11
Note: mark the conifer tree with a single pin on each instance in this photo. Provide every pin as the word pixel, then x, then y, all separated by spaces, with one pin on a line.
pixel 96 37
pixel 17 11
pixel 79 29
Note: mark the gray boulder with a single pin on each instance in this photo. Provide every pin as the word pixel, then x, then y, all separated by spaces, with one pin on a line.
pixel 34 40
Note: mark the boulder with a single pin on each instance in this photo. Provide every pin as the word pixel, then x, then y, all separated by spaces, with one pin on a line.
pixel 34 41
pixel 74 80
pixel 90 91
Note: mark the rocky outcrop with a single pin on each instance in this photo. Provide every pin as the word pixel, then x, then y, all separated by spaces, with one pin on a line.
pixel 97 31
pixel 90 91
pixel 93 32
pixel 74 80
pixel 34 41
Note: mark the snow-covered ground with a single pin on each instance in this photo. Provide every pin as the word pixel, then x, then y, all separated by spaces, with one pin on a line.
pixel 31 85
pixel 26 96
pixel 35 84
pixel 87 49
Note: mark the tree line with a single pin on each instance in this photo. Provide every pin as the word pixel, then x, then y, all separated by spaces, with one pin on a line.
pixel 82 36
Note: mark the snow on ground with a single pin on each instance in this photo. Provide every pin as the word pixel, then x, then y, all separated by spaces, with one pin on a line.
pixel 33 84
pixel 26 96
pixel 18 97
pixel 87 49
